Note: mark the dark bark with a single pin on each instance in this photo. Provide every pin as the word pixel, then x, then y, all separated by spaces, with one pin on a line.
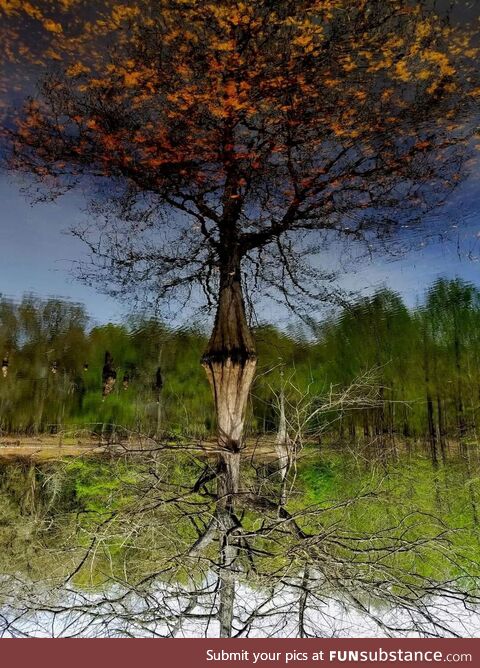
pixel 231 338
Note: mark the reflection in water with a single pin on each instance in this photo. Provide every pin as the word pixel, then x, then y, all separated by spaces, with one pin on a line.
pixel 142 545
pixel 179 614
pixel 354 511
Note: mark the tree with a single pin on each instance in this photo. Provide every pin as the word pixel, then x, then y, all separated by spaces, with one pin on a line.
pixel 368 561
pixel 232 141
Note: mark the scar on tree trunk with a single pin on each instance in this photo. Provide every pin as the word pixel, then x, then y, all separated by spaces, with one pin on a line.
pixel 230 361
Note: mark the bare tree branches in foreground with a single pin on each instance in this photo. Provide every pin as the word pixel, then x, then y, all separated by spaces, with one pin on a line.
pixel 230 146
pixel 166 556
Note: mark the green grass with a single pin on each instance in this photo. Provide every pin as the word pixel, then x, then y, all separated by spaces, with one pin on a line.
pixel 58 508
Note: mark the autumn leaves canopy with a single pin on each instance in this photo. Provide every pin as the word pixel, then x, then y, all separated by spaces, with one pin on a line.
pixel 230 133
pixel 250 108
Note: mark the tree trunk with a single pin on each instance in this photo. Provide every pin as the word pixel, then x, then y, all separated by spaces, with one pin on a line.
pixel 432 434
pixel 227 573
pixel 282 449
pixel 462 427
pixel 303 603
pixel 441 430
pixel 230 362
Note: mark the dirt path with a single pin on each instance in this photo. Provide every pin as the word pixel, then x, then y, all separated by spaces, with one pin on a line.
pixel 59 446
pixel 45 447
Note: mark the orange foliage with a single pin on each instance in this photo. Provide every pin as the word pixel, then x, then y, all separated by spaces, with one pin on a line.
pixel 211 92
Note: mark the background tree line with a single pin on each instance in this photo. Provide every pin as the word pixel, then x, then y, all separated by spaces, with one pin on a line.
pixel 425 362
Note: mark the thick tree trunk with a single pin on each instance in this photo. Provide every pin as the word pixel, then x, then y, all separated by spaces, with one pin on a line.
pixel 230 362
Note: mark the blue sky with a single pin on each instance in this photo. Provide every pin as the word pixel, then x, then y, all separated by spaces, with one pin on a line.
pixel 37 253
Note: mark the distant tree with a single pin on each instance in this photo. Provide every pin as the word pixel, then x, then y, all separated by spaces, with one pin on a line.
pixel 233 141
pixel 451 311
pixel 8 333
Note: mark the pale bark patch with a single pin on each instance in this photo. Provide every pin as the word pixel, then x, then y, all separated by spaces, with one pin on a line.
pixel 230 382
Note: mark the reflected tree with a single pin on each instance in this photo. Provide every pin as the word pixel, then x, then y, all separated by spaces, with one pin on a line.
pixel 159 559
pixel 228 146
pixel 230 152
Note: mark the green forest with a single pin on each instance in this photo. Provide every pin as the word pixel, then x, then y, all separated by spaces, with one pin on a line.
pixel 415 372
